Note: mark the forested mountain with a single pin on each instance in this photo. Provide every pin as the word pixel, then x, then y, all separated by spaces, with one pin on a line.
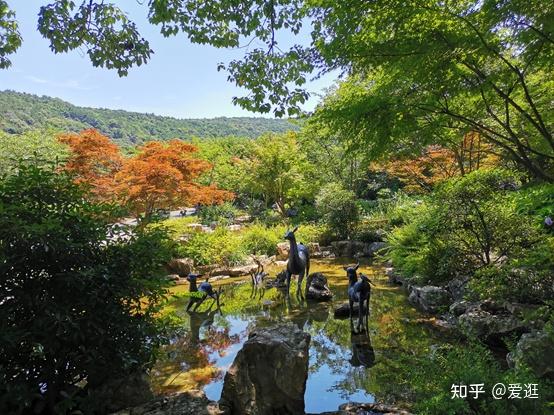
pixel 21 111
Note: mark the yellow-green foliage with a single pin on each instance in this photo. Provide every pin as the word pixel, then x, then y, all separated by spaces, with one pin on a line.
pixel 220 247
pixel 232 248
pixel 177 226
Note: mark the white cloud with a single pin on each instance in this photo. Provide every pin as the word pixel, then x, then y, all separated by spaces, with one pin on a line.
pixel 69 84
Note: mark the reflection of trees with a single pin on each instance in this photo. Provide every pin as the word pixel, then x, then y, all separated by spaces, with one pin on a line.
pixel 398 337
pixel 189 362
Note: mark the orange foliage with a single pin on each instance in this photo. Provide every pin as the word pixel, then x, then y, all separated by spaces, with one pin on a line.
pixel 437 163
pixel 161 175
pixel 94 160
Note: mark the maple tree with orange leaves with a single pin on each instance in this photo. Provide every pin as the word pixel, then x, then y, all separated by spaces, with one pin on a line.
pixel 436 163
pixel 160 175
pixel 94 160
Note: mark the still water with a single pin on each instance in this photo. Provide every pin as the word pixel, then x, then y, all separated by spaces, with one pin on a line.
pixel 343 367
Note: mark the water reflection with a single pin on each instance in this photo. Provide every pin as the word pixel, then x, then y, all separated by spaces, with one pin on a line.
pixel 362 351
pixel 343 366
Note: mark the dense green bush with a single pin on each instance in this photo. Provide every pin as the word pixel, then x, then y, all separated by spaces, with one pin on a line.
pixel 431 379
pixel 219 247
pixel 223 214
pixel 537 201
pixel 262 240
pixel 369 230
pixel 338 209
pixel 78 298
pixel 469 223
pixel 226 247
pixel 39 147
pixel 529 279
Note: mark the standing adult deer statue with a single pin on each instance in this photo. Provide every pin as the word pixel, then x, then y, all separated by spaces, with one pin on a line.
pixel 298 262
pixel 359 291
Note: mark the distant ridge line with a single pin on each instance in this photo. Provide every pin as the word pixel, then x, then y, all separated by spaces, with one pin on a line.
pixel 21 111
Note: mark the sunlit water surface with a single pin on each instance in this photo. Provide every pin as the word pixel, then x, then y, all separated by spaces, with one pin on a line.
pixel 343 367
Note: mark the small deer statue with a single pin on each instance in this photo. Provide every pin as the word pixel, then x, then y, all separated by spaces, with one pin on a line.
pixel 258 277
pixel 359 291
pixel 298 262
pixel 206 291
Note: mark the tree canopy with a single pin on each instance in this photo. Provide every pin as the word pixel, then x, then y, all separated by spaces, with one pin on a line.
pixel 159 176
pixel 80 297
pixel 419 72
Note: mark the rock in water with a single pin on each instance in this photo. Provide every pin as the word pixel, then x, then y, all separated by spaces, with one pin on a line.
pixel 280 281
pixel 318 289
pixel 269 373
pixel 343 311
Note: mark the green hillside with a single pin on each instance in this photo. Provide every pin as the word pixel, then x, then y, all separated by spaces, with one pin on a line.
pixel 21 111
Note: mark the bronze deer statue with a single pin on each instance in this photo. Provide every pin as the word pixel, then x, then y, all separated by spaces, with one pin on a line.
pixel 359 291
pixel 298 262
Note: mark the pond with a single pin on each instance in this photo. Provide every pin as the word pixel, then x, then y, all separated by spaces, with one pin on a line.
pixel 342 367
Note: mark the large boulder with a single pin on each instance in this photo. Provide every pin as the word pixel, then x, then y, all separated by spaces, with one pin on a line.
pixel 184 403
pixel 119 393
pixel 315 250
pixel 429 298
pixel 460 307
pixel 393 276
pixel 180 266
pixel 457 287
pixel 318 289
pixel 348 249
pixel 283 249
pixel 490 324
pixel 373 248
pixel 354 408
pixel 532 350
pixel 351 249
pixel 269 373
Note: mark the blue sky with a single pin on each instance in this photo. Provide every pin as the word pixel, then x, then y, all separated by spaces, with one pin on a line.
pixel 181 79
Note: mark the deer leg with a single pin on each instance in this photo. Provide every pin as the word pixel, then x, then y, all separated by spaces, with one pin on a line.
pixel 351 309
pixel 287 276
pixel 299 287
pixel 360 313
pixel 367 316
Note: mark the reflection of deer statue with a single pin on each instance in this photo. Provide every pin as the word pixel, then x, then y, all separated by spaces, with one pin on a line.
pixel 258 277
pixel 199 321
pixel 298 262
pixel 205 290
pixel 359 291
pixel 362 351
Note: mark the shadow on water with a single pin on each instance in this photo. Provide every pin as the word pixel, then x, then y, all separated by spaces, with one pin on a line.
pixel 342 367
